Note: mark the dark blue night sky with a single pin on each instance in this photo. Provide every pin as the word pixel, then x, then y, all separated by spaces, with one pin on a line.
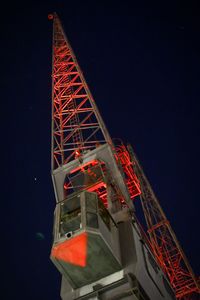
pixel 142 64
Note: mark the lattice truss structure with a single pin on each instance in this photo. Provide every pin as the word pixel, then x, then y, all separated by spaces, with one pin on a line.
pixel 164 243
pixel 77 125
pixel 96 175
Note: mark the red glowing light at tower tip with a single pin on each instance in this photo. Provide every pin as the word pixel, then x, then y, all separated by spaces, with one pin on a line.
pixel 50 16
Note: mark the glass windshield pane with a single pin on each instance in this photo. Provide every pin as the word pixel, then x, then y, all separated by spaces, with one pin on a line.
pixel 70 216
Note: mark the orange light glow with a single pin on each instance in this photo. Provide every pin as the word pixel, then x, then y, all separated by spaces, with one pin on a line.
pixel 50 17
pixel 73 251
pixel 82 167
pixel 77 153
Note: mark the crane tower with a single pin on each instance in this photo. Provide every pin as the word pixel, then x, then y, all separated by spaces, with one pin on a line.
pixel 99 246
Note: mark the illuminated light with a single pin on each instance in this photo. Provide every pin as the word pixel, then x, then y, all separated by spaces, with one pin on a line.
pixel 96 186
pixel 132 181
pixel 77 153
pixel 65 186
pixel 50 17
pixel 82 167
pixel 73 251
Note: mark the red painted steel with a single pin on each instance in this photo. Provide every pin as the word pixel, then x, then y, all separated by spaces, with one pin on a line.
pixel 77 127
pixel 164 243
pixel 131 179
pixel 98 184
pixel 73 251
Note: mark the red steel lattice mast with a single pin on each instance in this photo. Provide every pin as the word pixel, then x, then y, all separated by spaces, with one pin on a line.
pixel 76 124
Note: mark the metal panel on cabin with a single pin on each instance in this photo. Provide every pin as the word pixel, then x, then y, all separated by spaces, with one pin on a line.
pixel 84 223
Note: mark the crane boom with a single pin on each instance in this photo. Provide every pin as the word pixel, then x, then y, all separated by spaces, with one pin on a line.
pixel 164 242
pixel 76 122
